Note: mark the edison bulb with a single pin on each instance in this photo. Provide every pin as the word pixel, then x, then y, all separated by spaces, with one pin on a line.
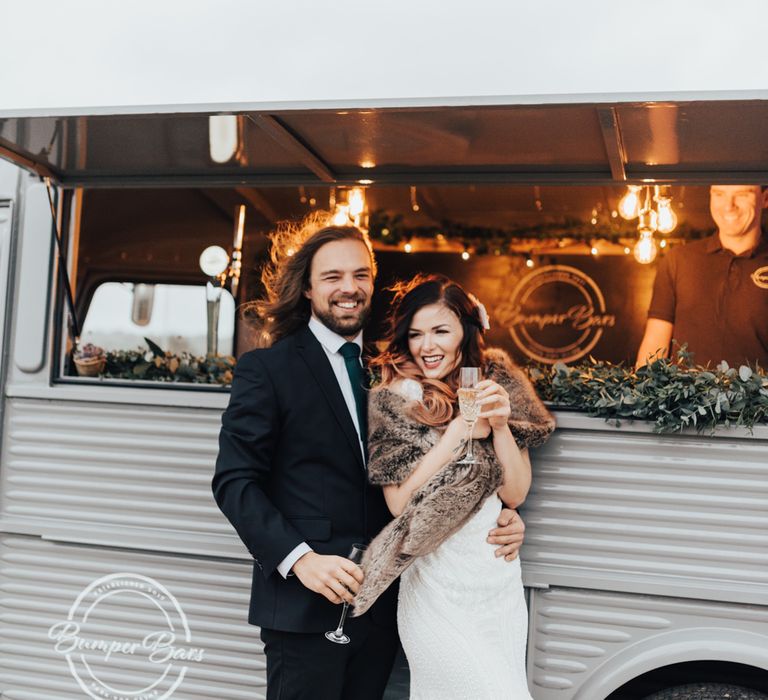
pixel 667 219
pixel 629 206
pixel 648 221
pixel 341 217
pixel 356 202
pixel 645 249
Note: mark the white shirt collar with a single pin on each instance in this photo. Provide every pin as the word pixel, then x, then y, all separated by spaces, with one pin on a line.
pixel 331 341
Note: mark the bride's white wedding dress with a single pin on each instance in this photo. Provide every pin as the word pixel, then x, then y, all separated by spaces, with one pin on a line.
pixel 463 620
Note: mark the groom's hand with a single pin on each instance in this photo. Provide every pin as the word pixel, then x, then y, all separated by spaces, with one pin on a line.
pixel 509 534
pixel 336 578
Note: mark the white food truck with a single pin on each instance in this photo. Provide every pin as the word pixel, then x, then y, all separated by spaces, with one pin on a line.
pixel 646 555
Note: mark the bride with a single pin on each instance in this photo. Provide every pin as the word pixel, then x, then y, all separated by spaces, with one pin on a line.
pixel 461 611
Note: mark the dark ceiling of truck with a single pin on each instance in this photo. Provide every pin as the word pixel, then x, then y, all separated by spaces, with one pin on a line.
pixel 693 142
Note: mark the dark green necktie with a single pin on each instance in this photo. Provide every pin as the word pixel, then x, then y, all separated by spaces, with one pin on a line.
pixel 351 354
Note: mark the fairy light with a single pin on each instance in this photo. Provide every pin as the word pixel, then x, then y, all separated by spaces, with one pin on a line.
pixel 465 255
pixel 408 248
pixel 414 201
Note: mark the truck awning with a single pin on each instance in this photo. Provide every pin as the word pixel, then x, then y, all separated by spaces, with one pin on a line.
pixel 666 142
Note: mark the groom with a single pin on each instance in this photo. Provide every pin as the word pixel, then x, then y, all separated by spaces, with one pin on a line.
pixel 291 478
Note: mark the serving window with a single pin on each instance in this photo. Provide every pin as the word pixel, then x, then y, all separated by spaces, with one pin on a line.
pixel 557 267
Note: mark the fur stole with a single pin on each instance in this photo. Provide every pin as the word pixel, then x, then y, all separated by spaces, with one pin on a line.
pixel 396 445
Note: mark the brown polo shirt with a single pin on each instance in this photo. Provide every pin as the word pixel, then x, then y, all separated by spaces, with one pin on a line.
pixel 717 301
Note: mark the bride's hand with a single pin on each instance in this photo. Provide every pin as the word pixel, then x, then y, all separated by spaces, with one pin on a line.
pixel 482 429
pixel 494 402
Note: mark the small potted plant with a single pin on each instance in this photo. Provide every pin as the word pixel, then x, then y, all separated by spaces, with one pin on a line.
pixel 90 360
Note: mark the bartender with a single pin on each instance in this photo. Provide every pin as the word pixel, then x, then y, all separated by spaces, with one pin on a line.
pixel 713 294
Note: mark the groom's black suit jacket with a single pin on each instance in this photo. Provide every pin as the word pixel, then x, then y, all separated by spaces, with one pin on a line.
pixel 290 470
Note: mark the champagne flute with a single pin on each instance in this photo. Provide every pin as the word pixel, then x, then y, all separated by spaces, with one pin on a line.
pixel 468 406
pixel 337 636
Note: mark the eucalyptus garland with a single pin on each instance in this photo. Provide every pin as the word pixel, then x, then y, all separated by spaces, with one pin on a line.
pixel 673 394
pixel 158 365
pixel 389 229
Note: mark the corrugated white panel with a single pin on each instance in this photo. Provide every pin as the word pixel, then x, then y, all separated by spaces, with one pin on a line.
pixel 584 641
pixel 679 515
pixel 40 581
pixel 109 474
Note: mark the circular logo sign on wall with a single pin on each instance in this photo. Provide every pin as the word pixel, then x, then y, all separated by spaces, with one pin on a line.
pixel 555 314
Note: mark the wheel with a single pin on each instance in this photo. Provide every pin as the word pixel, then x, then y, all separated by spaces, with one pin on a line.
pixel 707 691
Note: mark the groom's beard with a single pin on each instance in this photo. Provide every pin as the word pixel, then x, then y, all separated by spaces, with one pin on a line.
pixel 344 326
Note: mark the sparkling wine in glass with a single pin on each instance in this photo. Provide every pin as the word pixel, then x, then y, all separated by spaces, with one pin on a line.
pixel 468 406
pixel 337 636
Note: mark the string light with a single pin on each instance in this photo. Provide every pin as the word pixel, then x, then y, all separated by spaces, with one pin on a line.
pixel 408 248
pixel 529 262
pixel 593 250
pixel 414 201
pixel 465 255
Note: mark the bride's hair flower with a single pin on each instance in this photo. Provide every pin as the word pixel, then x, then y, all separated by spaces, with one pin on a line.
pixel 482 312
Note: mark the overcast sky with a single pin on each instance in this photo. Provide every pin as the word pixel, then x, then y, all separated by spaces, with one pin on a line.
pixel 84 56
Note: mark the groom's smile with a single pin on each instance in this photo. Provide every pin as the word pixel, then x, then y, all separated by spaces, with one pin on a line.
pixel 341 285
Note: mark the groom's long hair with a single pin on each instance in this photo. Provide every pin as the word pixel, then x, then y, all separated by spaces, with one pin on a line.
pixel 438 405
pixel 284 309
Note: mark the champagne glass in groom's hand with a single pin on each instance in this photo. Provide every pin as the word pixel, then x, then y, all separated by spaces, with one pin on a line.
pixel 337 636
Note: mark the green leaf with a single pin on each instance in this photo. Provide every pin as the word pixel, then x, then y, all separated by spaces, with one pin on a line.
pixel 156 350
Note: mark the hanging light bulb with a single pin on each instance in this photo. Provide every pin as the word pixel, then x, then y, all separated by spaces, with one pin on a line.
pixel 629 206
pixel 465 255
pixel 648 221
pixel 593 250
pixel 341 217
pixel 408 247
pixel 529 262
pixel 356 202
pixel 667 217
pixel 645 249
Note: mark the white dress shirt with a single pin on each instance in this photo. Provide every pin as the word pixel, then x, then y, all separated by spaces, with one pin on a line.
pixel 331 343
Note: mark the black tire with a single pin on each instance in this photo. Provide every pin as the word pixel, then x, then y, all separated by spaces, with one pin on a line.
pixel 707 691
